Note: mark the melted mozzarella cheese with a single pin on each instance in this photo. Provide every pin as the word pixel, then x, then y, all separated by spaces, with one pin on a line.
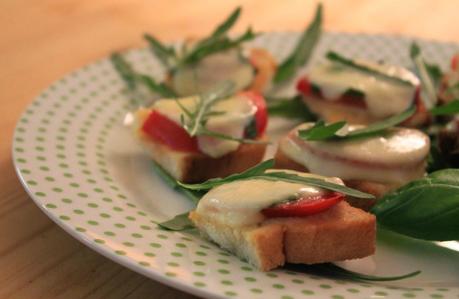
pixel 239 203
pixel 396 157
pixel 219 67
pixel 237 112
pixel 383 97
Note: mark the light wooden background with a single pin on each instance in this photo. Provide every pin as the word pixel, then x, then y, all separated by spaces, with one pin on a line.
pixel 42 40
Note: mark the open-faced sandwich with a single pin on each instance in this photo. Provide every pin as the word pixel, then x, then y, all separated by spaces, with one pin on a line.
pixel 201 137
pixel 373 163
pixel 269 221
pixel 361 92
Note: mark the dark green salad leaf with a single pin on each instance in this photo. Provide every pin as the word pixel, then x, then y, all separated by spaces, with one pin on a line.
pixel 323 132
pixel 133 79
pixel 450 108
pixel 430 76
pixel 335 57
pixel 426 209
pixel 180 222
pixel 334 271
pixel 290 108
pixel 259 172
pixel 303 49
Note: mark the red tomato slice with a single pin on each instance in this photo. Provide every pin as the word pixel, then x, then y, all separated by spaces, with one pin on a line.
pixel 304 206
pixel 261 116
pixel 164 130
pixel 455 62
pixel 304 86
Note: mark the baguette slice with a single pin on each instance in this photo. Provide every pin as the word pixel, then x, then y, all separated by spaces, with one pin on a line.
pixel 197 167
pixel 340 233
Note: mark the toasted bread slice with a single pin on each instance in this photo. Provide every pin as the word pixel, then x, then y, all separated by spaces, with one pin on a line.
pixel 282 161
pixel 340 233
pixel 197 167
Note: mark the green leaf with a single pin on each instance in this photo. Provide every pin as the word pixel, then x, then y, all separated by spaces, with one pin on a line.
pixel 194 196
pixel 259 172
pixel 133 79
pixel 337 58
pixel 227 24
pixel 209 184
pixel 334 271
pixel 303 49
pixel 213 46
pixel 378 127
pixel 321 131
pixel 197 118
pixel 124 69
pixel 159 88
pixel 426 74
pixel 426 209
pixel 450 108
pixel 178 223
pixel 291 108
pixel 164 53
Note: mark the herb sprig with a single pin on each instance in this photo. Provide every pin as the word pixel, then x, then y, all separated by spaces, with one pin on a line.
pixel 429 74
pixel 450 108
pixel 337 58
pixel 259 172
pixel 321 132
pixel 303 50
pixel 133 79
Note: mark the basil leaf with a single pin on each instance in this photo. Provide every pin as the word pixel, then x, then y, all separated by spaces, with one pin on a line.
pixel 335 57
pixel 291 108
pixel 209 184
pixel 321 131
pixel 303 49
pixel 425 209
pixel 163 53
pixel 378 127
pixel 450 108
pixel 332 270
pixel 425 74
pixel 178 223
pixel 194 196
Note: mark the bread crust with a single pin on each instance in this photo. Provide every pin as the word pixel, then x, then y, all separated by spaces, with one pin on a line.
pixel 282 161
pixel 197 167
pixel 340 233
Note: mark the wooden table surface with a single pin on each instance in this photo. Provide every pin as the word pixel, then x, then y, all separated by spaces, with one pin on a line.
pixel 42 40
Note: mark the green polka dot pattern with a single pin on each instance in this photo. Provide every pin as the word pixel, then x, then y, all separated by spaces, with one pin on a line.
pixel 85 170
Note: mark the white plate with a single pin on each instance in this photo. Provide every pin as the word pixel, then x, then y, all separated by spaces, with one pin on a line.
pixel 85 171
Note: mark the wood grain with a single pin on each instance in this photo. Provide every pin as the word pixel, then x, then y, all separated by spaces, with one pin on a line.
pixel 43 40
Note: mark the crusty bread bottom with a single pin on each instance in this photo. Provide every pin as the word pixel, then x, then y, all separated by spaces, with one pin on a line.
pixel 340 233
pixel 197 167
pixel 282 161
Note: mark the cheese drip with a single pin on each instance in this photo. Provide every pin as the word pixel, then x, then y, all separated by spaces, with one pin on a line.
pixel 237 114
pixel 213 69
pixel 383 97
pixel 240 203
pixel 396 157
